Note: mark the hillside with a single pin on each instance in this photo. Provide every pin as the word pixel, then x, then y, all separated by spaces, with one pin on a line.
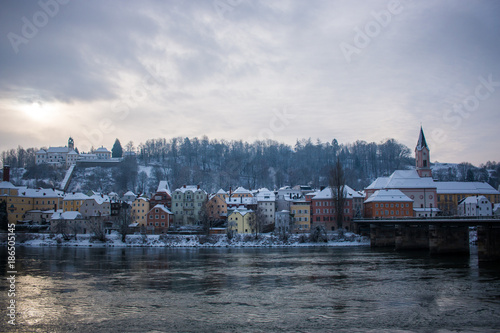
pixel 217 164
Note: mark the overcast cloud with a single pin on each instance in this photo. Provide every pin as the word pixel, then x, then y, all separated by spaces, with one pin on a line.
pixel 229 69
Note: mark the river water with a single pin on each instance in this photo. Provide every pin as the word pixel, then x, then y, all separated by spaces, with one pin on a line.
pixel 344 289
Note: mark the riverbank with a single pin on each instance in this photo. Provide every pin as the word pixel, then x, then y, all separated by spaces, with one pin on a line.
pixel 262 240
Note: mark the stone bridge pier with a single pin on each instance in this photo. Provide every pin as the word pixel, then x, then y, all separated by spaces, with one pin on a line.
pixel 488 242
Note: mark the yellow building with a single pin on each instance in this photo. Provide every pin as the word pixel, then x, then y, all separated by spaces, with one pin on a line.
pixel 140 209
pixel 73 201
pixel 449 194
pixel 241 220
pixel 20 200
pixel 241 192
pixel 301 216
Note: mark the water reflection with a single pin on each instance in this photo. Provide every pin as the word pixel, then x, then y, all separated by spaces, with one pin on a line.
pixel 206 290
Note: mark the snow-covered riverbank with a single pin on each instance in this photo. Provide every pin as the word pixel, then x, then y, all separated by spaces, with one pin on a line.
pixel 263 240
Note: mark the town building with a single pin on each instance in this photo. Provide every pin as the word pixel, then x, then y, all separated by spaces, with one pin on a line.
pixel 129 197
pixel 187 203
pixel 422 190
pixel 217 207
pixel 73 201
pixel 70 223
pixel 162 196
pixel 20 199
pixel 323 210
pixel 241 221
pixel 140 209
pixel 475 206
pixel 159 219
pixel 266 205
pixel 96 206
pixel 285 197
pixel 58 156
pixel 301 216
pixel 388 204
pixel 283 222
pixel 449 194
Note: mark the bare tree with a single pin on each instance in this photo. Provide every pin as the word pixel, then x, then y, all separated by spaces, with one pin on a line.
pixel 337 186
pixel 97 227
pixel 123 221
pixel 257 222
pixel 61 227
pixel 206 221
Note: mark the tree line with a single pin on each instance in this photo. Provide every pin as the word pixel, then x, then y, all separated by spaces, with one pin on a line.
pixel 215 164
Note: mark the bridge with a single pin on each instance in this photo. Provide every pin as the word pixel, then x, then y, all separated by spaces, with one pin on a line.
pixel 439 235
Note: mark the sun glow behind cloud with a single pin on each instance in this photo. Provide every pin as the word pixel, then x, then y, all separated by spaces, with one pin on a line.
pixel 179 68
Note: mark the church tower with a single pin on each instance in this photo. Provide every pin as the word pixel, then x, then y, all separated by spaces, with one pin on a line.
pixel 71 143
pixel 423 157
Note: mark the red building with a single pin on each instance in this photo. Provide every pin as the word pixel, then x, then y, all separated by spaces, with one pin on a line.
pixel 388 204
pixel 159 219
pixel 323 209
pixel 161 197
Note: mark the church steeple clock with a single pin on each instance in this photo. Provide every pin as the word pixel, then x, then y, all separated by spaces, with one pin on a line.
pixel 423 157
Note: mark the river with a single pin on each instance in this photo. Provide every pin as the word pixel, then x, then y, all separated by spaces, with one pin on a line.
pixel 343 289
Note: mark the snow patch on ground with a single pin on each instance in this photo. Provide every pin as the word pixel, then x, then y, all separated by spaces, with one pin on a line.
pixel 264 240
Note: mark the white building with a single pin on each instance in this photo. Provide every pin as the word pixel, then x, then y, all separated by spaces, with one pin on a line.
pixel 475 206
pixel 266 205
pixel 96 205
pixel 496 210
pixel 282 222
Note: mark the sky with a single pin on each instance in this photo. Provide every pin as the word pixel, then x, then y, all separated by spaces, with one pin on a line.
pixel 252 70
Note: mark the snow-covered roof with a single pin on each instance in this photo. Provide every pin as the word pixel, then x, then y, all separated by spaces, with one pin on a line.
pixel 41 151
pixel 73 153
pixel 464 188
pixel 221 191
pixel 100 199
pixel 327 194
pixel 474 200
pixel 241 190
pixel 58 150
pixel 162 207
pixel 69 215
pixel 388 196
pixel 129 194
pixel 141 198
pixel 192 188
pixel 6 185
pixel 76 196
pixel 102 150
pixel 265 195
pixel 40 193
pixel 402 179
pixel 241 211
pixel 163 187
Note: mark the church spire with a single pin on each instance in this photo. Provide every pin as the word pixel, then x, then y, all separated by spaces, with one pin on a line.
pixel 421 140
pixel 422 156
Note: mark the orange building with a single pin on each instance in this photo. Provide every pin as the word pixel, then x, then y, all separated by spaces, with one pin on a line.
pixel 388 204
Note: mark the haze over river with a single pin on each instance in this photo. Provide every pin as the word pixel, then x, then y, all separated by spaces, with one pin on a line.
pixel 320 289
